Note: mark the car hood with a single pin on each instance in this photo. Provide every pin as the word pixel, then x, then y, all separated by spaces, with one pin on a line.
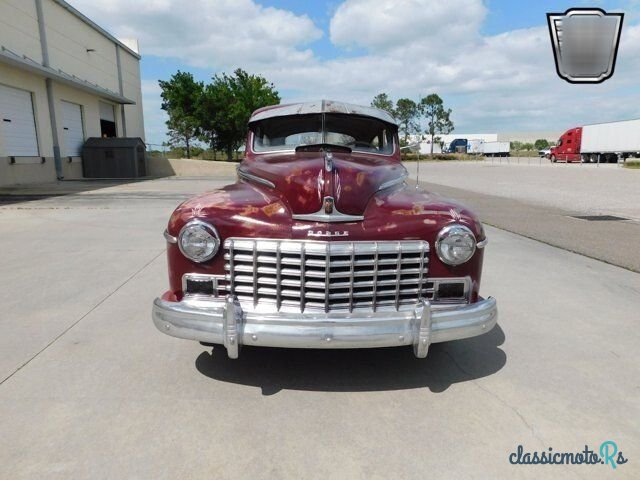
pixel 304 179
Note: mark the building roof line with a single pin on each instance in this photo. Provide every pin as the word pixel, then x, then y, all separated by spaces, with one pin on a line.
pixel 97 27
pixel 26 63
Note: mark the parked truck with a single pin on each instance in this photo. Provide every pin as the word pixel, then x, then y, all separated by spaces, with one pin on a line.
pixel 462 145
pixel 458 145
pixel 598 143
pixel 496 149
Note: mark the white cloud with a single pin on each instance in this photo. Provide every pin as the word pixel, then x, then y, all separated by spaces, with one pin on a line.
pixel 380 25
pixel 207 34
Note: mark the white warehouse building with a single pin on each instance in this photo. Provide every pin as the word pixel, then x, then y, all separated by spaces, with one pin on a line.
pixel 63 79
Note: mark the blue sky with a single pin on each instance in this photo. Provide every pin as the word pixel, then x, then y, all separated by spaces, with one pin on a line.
pixel 490 60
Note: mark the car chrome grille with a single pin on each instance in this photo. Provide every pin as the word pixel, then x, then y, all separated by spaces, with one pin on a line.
pixel 298 275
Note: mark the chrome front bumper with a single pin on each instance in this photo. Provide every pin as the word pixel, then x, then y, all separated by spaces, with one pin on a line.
pixel 224 322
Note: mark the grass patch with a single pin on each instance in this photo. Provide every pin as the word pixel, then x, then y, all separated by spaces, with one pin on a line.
pixel 632 164
pixel 524 153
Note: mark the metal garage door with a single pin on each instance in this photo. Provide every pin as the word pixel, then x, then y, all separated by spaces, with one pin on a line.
pixel 72 128
pixel 17 126
pixel 106 112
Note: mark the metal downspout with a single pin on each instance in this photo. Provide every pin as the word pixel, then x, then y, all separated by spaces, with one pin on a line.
pixel 49 85
pixel 121 90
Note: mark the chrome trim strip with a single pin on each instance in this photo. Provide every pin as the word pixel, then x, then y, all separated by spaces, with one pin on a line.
pixel 278 277
pixel 327 276
pixel 255 275
pixel 170 238
pixel 270 275
pixel 351 277
pixel 223 321
pixel 421 280
pixel 399 275
pixel 483 243
pixel 333 217
pixel 303 279
pixel 231 327
pixel 393 182
pixel 248 176
pixel 376 249
pixel 423 338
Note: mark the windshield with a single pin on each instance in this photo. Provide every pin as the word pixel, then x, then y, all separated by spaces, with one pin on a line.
pixel 362 134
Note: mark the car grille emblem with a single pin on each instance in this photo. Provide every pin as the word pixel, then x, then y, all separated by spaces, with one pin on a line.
pixel 328 205
pixel 326 233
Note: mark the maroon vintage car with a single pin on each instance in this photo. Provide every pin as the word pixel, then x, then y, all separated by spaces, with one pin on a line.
pixel 321 244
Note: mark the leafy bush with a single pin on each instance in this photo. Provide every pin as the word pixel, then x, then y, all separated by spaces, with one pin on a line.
pixel 632 164
pixel 541 143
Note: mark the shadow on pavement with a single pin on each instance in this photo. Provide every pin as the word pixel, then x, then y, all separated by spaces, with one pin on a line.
pixel 358 370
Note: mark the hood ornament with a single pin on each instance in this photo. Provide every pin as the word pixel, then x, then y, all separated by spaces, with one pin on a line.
pixel 328 161
pixel 328 213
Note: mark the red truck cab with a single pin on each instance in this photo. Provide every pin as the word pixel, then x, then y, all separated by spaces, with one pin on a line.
pixel 568 147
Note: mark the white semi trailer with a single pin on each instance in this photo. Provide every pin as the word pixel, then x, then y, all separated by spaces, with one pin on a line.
pixel 495 149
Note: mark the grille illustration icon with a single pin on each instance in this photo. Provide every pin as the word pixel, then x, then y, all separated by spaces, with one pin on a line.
pixel 585 43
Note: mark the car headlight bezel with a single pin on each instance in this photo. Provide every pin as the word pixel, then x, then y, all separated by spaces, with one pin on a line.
pixel 198 226
pixel 444 238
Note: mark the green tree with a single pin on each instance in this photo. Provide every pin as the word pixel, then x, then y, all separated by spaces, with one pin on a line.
pixel 407 113
pixel 227 104
pixel 541 143
pixel 180 97
pixel 527 146
pixel 516 146
pixel 438 118
pixel 383 102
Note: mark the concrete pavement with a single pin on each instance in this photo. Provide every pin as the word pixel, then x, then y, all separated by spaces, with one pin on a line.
pixel 589 188
pixel 92 390
pixel 542 201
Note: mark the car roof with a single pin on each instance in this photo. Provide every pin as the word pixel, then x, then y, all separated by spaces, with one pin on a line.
pixel 320 106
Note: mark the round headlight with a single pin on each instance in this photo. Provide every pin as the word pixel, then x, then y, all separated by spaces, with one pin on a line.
pixel 455 244
pixel 198 241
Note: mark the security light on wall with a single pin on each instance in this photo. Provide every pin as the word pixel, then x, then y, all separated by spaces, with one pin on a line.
pixel 91 50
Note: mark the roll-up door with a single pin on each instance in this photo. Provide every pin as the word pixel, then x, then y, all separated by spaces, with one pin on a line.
pixel 17 124
pixel 107 120
pixel 72 128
